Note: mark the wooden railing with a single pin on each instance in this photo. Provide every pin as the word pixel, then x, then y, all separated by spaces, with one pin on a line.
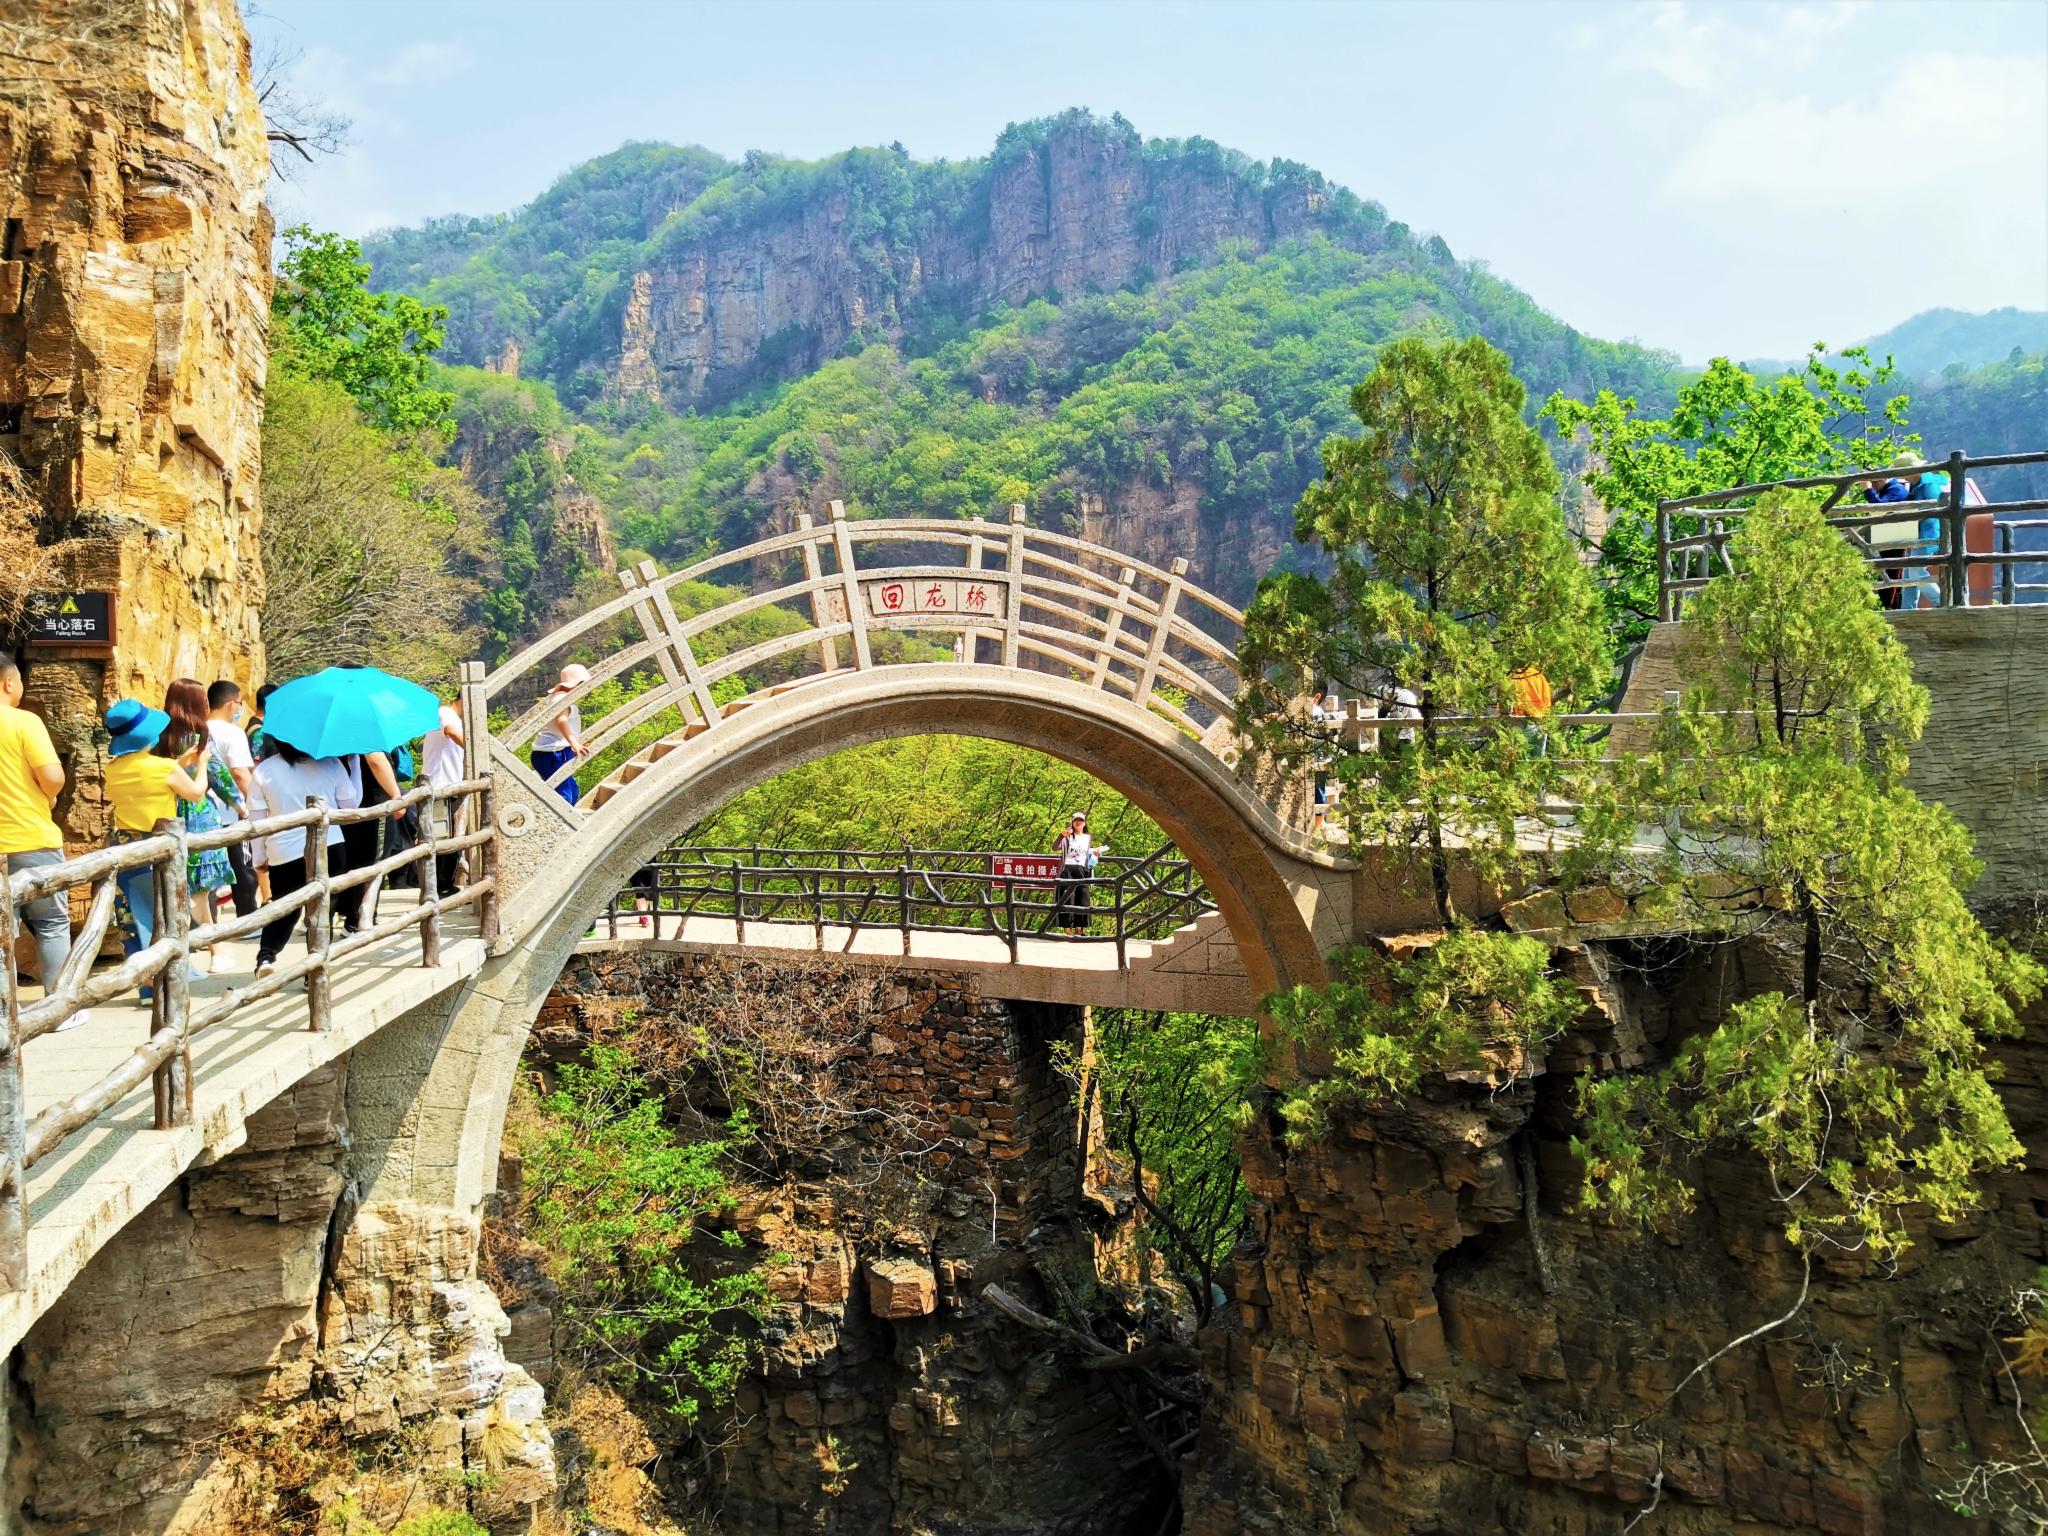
pixel 163 1057
pixel 1693 535
pixel 1014 595
pixel 911 891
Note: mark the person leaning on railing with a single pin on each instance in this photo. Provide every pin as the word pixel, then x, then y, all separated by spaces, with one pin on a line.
pixel 1932 485
pixel 143 790
pixel 31 778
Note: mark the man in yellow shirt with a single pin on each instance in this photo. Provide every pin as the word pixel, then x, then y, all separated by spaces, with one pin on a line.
pixel 30 779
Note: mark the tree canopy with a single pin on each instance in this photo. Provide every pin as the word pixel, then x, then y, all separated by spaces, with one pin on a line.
pixel 1450 570
pixel 377 346
pixel 1862 1083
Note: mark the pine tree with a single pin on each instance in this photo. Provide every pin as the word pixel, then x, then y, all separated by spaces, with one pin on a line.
pixel 1450 568
pixel 1863 1085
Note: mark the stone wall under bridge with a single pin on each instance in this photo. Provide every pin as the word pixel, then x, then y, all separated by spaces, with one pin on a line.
pixel 942 1154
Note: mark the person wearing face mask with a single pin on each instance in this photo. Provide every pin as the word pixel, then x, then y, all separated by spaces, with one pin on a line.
pixel 232 757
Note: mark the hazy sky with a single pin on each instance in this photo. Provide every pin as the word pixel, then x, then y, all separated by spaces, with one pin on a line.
pixel 1711 178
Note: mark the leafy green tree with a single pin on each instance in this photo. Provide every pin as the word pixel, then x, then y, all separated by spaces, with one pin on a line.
pixel 358 533
pixel 1175 1090
pixel 1863 1085
pixel 1472 1001
pixel 617 1201
pixel 1728 428
pixel 1450 569
pixel 377 346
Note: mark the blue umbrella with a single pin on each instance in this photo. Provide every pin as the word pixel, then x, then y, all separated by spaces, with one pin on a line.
pixel 350 709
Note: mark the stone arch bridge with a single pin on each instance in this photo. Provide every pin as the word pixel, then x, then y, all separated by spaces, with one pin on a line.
pixel 711 679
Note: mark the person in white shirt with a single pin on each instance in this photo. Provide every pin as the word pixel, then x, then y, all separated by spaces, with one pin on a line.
pixel 560 742
pixel 284 782
pixel 1078 855
pixel 441 757
pixel 231 749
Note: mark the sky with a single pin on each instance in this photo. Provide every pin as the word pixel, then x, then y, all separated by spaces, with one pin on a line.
pixel 1717 179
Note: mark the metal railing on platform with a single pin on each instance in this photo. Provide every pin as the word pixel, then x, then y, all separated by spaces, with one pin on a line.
pixel 1990 553
pixel 163 1057
pixel 910 891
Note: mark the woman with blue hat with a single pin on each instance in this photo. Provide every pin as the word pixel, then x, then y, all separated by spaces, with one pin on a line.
pixel 144 790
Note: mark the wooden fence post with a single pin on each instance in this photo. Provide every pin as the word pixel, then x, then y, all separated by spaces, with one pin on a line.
pixel 430 883
pixel 739 906
pixel 1015 616
pixel 1958 544
pixel 319 995
pixel 13 1110
pixel 849 583
pixel 650 625
pixel 671 634
pixel 172 994
pixel 1162 628
pixel 903 902
pixel 821 607
pixel 1665 604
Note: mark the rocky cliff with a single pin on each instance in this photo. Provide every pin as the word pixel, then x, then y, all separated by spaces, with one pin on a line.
pixel 1429 1337
pixel 763 270
pixel 933 1153
pixel 134 297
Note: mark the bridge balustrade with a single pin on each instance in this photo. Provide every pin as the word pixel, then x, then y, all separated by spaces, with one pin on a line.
pixel 1013 595
pixel 1140 899
pixel 1694 532
pixel 163 1056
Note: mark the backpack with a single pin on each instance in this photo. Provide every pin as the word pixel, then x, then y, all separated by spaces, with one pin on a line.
pixel 401 763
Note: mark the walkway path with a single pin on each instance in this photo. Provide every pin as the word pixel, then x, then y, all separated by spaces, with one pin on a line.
pixel 85 1191
pixel 1196 970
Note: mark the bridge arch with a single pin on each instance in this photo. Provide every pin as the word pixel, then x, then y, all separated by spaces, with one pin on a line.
pixel 1105 663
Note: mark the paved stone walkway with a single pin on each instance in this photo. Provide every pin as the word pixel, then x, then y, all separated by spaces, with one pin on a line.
pixel 1159 975
pixel 92 1184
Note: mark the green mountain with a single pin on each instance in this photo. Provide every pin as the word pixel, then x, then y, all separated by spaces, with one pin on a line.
pixel 1942 338
pixel 1144 339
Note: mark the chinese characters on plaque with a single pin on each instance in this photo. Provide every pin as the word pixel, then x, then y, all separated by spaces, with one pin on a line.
pixel 965 598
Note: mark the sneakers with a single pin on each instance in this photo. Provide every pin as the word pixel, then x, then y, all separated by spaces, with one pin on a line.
pixel 264 966
pixel 72 1022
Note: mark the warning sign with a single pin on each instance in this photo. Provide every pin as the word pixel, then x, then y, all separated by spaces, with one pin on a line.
pixel 73 618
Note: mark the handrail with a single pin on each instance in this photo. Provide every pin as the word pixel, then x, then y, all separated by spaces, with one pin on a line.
pixel 1689 556
pixel 911 891
pixel 1019 596
pixel 164 1057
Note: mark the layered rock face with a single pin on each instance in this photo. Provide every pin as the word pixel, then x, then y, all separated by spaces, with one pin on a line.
pixel 253 1320
pixel 134 298
pixel 1418 1350
pixel 891 1397
pixel 1081 212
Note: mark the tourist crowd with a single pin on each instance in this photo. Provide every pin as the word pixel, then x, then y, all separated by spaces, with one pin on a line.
pixel 205 760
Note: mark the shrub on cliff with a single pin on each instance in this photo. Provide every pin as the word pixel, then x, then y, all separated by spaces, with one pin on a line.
pixel 652 1295
pixel 1864 1085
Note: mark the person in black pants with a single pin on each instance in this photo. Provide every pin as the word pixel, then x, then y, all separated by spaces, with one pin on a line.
pixel 285 781
pixel 364 839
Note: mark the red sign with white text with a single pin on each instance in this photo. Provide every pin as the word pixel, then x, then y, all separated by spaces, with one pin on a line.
pixel 1024 866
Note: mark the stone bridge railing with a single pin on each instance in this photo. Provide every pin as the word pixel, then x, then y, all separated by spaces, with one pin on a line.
pixel 162 1055
pixel 846 596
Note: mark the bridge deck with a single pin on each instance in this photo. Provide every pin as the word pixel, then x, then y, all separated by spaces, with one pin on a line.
pixel 1045 970
pixel 99 1178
